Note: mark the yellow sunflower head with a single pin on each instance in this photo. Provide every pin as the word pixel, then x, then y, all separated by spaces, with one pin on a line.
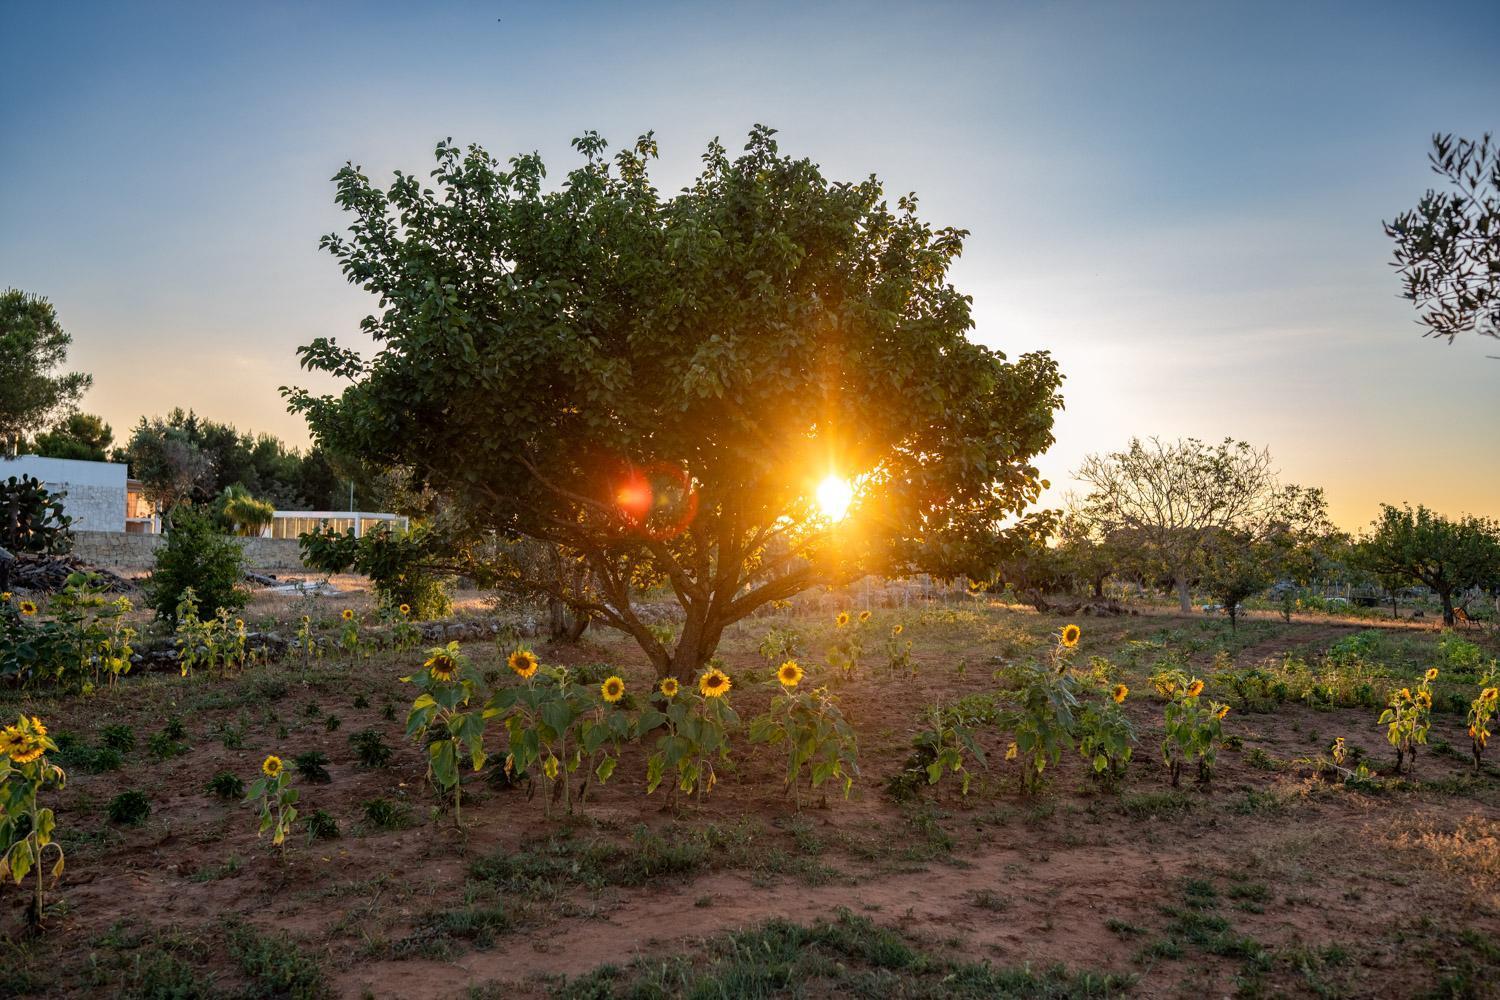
pixel 613 689
pixel 239 623
pixel 27 749
pixel 1223 711
pixel 271 768
pixel 12 741
pixel 789 674
pixel 668 686
pixel 443 666
pixel 1424 699
pixel 37 729
pixel 1489 694
pixel 4 595
pixel 714 683
pixel 348 614
pixel 841 620
pixel 1070 635
pixel 405 610
pixel 864 616
pixel 28 608
pixel 897 629
pixel 1404 694
pixel 1119 693
pixel 1432 673
pixel 523 662
pixel 307 619
pixel 1195 688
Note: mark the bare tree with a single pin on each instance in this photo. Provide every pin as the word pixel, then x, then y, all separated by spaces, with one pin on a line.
pixel 1169 497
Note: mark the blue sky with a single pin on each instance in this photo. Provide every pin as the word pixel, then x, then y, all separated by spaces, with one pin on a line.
pixel 1181 201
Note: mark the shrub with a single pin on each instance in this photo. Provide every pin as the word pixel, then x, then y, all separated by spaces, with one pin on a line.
pixel 321 826
pixel 195 556
pixel 32 518
pixel 225 785
pixel 313 766
pixel 118 737
pixel 130 808
pixel 385 814
pixel 371 748
pixel 391 558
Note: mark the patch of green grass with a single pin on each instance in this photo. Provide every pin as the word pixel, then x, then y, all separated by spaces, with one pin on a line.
pixel 313 766
pixel 848 956
pixel 276 966
pixel 1155 805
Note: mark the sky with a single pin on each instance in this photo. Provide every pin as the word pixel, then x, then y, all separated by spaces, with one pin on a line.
pixel 1181 201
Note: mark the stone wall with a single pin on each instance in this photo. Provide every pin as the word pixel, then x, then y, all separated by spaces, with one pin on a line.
pixel 92 508
pixel 121 551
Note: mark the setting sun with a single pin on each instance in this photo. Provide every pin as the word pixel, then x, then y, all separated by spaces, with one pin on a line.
pixel 834 496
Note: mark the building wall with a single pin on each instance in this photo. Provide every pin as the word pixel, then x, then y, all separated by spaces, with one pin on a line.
pixel 135 552
pixel 95 491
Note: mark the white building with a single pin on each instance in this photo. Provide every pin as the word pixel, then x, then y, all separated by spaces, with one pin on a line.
pixel 100 496
pixel 95 492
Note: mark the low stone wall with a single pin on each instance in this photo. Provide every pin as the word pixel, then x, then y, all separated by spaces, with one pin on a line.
pixel 120 550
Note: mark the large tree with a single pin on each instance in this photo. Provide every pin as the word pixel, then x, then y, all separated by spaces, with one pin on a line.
pixel 1448 556
pixel 1169 498
pixel 79 436
pixel 169 464
pixel 1448 247
pixel 33 345
pixel 659 386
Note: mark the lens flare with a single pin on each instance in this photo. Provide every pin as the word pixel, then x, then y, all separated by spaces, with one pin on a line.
pixel 834 497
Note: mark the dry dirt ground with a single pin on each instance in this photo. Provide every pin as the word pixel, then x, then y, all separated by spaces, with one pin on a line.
pixel 1272 880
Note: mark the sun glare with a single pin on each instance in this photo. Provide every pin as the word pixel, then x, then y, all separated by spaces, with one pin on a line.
pixel 834 496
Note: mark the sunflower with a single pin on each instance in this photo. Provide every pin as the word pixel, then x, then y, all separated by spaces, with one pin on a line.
pixel 27 750
pixel 714 683
pixel 1119 693
pixel 307 619
pixel 1194 689
pixel 864 616
pixel 789 674
pixel 443 666
pixel 5 595
pixel 37 728
pixel 405 610
pixel 897 629
pixel 1223 711
pixel 1424 698
pixel 272 766
pixel 28 608
pixel 1489 694
pixel 1070 635
pixel 12 741
pixel 669 686
pixel 613 689
pixel 523 662
pixel 1404 694
pixel 239 623
pixel 348 614
pixel 841 620
pixel 1432 673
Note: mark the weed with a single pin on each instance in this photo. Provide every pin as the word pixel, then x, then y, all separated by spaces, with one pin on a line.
pixel 130 808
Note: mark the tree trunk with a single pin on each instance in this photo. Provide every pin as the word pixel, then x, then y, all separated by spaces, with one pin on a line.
pixel 1184 598
pixel 1394 613
pixel 1447 597
pixel 1099 588
pixel 694 647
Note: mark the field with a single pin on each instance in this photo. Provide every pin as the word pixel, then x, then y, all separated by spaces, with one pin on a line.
pixel 1278 877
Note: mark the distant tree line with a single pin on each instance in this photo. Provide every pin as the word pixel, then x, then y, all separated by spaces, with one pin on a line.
pixel 1185 516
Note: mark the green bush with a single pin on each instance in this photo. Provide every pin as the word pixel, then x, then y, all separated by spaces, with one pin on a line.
pixel 394 561
pixel 196 556
pixel 130 807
